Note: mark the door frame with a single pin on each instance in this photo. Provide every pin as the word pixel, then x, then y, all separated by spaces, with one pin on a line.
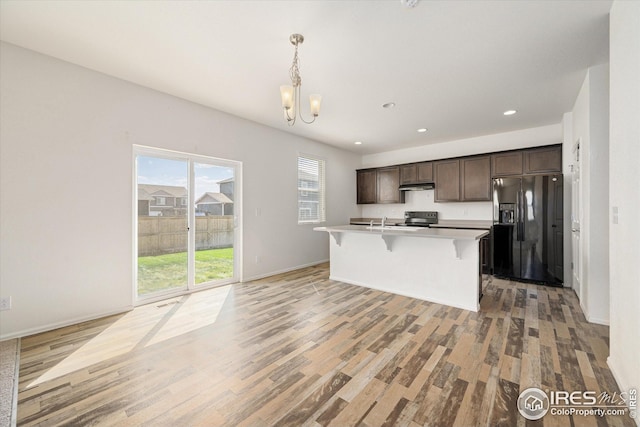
pixel 576 220
pixel 142 150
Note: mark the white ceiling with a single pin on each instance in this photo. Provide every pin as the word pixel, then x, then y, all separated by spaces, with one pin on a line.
pixel 450 66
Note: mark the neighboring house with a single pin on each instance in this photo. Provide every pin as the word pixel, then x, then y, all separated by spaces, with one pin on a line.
pixel 144 202
pixel 214 204
pixel 161 200
pixel 226 187
pixel 308 195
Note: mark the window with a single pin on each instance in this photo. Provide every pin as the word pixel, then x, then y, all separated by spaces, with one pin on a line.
pixel 161 201
pixel 311 190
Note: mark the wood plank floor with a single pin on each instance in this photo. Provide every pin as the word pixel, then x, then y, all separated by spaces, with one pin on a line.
pixel 300 349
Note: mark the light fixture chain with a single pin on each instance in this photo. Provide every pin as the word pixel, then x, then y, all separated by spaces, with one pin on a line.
pixel 294 71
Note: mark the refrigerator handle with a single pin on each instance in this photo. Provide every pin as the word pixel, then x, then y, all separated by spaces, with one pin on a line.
pixel 520 221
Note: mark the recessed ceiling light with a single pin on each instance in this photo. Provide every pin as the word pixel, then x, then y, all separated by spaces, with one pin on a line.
pixel 358 142
pixel 389 105
pixel 422 130
pixel 509 112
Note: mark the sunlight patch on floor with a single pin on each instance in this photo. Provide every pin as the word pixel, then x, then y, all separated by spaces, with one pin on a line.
pixel 144 326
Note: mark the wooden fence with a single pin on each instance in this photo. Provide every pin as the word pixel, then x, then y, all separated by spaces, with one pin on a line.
pixel 164 234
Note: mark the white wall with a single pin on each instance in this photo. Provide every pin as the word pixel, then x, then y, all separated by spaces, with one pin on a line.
pixel 66 186
pixel 591 125
pixel 624 193
pixel 423 200
pixel 533 137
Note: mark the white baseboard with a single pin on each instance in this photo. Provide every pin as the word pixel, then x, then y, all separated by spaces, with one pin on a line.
pixel 621 383
pixel 598 321
pixel 592 319
pixel 62 324
pixel 285 270
pixel 404 294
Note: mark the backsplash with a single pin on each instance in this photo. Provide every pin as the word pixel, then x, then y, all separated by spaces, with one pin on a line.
pixel 423 201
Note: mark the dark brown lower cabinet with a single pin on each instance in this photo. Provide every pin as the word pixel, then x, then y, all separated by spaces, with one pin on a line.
pixel 485 248
pixel 484 268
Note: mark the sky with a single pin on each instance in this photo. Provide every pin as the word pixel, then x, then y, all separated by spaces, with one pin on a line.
pixel 154 170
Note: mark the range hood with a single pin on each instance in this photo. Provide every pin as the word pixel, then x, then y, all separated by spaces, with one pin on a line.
pixel 417 187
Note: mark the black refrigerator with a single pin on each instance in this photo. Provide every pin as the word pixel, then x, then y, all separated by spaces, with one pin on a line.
pixel 527 228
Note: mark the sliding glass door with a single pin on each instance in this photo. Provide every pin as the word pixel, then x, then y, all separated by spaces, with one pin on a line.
pixel 187 211
pixel 215 218
pixel 163 224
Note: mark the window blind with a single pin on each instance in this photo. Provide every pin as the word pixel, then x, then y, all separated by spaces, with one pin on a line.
pixel 311 190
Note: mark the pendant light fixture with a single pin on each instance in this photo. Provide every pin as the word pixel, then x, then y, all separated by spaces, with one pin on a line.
pixel 291 94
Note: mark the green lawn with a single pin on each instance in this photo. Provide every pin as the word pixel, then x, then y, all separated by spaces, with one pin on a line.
pixel 170 271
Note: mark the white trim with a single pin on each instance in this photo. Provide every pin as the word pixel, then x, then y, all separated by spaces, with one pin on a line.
pixel 621 384
pixel 285 270
pixel 597 320
pixel 65 323
pixel 589 318
pixel 322 188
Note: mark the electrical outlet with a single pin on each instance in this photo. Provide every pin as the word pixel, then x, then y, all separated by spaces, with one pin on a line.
pixel 5 303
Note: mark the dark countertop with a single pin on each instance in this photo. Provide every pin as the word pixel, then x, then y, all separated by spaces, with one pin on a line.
pixel 443 223
pixel 464 224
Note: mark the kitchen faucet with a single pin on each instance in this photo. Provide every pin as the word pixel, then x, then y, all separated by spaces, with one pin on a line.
pixel 384 219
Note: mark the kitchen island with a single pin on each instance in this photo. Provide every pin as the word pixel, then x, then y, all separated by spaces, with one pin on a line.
pixel 433 264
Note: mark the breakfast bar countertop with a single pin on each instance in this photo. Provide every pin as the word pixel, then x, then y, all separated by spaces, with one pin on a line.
pixel 437 233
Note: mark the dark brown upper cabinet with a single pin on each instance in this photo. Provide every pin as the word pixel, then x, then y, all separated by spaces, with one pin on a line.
pixel 408 174
pixel 475 178
pixel 463 180
pixel 416 173
pixel 425 172
pixel 366 181
pixel 447 180
pixel 388 180
pixel 505 164
pixel 543 160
